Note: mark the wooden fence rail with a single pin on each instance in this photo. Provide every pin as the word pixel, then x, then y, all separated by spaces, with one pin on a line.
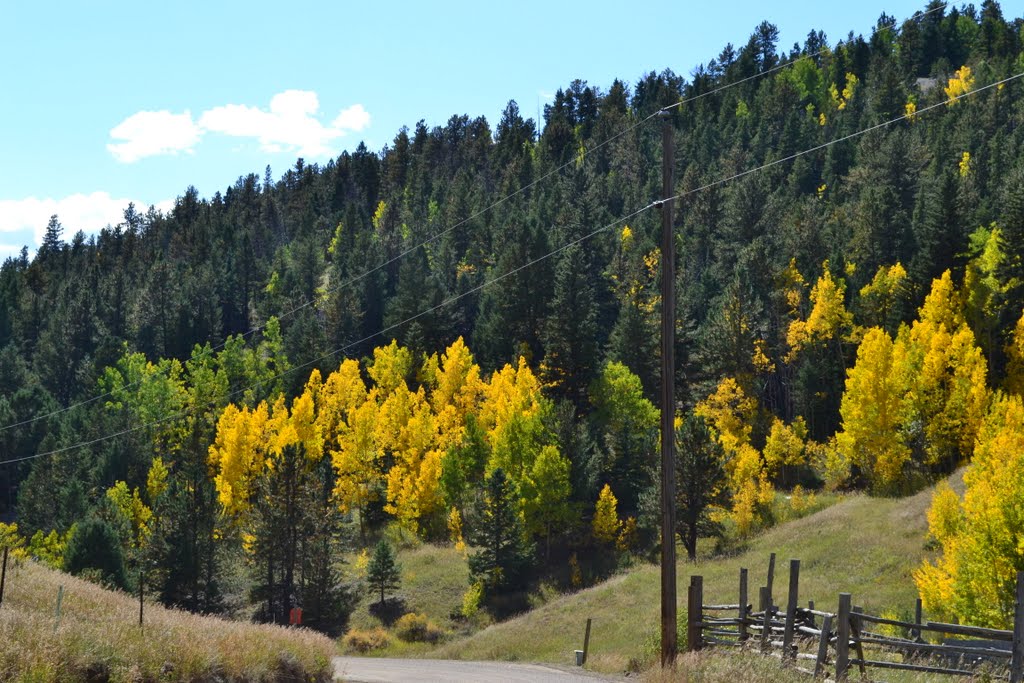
pixel 837 642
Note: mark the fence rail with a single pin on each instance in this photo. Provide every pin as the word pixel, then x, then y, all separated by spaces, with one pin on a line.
pixel 837 642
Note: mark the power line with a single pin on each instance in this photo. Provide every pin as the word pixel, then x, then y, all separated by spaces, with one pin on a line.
pixel 586 152
pixel 543 257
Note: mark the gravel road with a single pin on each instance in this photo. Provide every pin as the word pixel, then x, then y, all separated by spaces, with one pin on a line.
pixel 373 670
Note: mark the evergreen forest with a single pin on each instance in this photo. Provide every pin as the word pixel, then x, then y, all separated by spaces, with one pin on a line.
pixel 456 337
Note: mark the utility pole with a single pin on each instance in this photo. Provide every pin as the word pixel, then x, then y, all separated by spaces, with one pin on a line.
pixel 669 644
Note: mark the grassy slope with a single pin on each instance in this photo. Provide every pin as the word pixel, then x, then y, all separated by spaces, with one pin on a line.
pixel 434 579
pixel 99 628
pixel 865 546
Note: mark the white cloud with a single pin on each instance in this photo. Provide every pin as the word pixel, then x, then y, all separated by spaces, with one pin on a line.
pixel 354 118
pixel 148 133
pixel 291 124
pixel 87 212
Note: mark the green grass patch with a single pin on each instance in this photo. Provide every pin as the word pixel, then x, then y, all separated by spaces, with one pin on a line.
pixel 862 545
pixel 434 579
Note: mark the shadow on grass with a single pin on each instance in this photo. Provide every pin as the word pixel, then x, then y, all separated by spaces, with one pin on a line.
pixel 390 610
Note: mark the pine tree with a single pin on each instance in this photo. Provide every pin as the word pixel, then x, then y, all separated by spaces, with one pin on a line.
pixel 503 561
pixel 383 572
pixel 701 483
pixel 570 332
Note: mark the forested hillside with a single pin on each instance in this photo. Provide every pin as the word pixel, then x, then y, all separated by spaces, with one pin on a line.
pixel 266 376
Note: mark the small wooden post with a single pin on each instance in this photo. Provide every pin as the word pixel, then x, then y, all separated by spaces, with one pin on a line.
pixel 60 601
pixel 586 643
pixel 791 610
pixel 743 605
pixel 843 637
pixel 140 598
pixel 915 634
pixel 791 605
pixel 3 575
pixel 810 617
pixel 822 659
pixel 766 624
pixel 1017 659
pixel 771 578
pixel 855 627
pixel 694 614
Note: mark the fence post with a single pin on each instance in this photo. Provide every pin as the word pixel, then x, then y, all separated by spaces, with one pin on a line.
pixel 856 624
pixel 791 605
pixel 586 643
pixel 822 659
pixel 771 579
pixel 843 637
pixel 60 601
pixel 1017 660
pixel 915 633
pixel 766 616
pixel 743 605
pixel 141 593
pixel 694 614
pixel 3 575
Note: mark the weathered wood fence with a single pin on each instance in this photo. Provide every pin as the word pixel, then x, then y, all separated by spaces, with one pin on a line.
pixel 824 644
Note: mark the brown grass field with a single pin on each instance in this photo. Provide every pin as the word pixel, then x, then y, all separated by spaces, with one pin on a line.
pixel 98 638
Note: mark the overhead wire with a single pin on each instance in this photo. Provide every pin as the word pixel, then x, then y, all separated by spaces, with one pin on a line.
pixel 543 257
pixel 587 151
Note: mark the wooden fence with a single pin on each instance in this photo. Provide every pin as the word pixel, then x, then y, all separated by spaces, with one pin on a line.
pixel 820 643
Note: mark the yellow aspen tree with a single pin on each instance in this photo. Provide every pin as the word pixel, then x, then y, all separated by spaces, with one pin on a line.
pixel 730 413
pixel 511 416
pixel 784 445
pixel 356 459
pixel 605 524
pixel 828 319
pixel 412 482
pixel 974 578
pixel 983 292
pixel 548 505
pixel 237 455
pixel 391 367
pixel 880 299
pixel 1014 381
pixel 945 374
pixel 457 393
pixel 134 514
pixel 872 411
pixel 960 84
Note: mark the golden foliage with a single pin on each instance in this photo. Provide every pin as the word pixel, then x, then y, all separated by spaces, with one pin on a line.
pixel 1015 359
pixel 606 524
pixel 872 410
pixel 828 319
pixel 980 535
pixel 964 166
pixel 959 85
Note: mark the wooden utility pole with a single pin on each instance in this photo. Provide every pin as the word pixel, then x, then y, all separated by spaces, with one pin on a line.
pixel 669 638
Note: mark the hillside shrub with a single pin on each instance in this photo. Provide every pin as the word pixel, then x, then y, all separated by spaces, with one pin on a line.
pixel 417 628
pixel 363 641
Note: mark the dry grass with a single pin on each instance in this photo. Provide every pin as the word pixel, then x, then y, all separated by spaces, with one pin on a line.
pixel 862 545
pixel 716 667
pixel 98 638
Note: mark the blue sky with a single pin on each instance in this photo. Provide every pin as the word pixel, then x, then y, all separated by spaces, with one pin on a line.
pixel 108 102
